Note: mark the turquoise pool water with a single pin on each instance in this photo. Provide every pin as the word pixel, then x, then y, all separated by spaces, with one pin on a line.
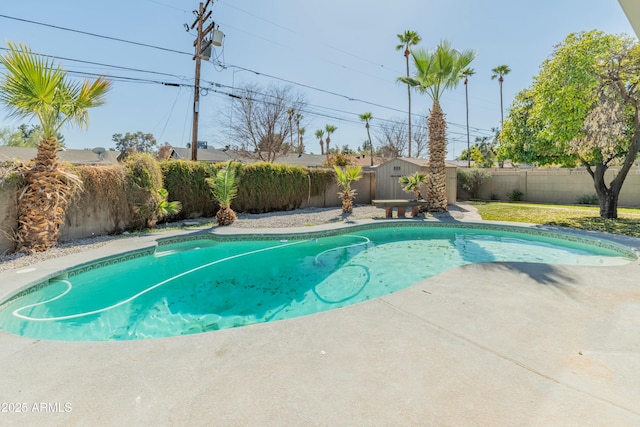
pixel 206 284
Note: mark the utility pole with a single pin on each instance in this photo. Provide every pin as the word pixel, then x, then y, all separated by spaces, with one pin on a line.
pixel 201 45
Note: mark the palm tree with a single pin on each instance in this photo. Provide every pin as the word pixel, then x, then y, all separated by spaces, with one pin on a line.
pixel 408 39
pixel 500 71
pixel 344 177
pixel 33 86
pixel 330 129
pixel 466 73
pixel 165 207
pixel 320 135
pixel 412 183
pixel 301 133
pixel 290 113
pixel 366 117
pixel 435 72
pixel 224 188
pixel 298 118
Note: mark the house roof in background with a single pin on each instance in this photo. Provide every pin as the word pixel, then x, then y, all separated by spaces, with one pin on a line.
pixel 76 157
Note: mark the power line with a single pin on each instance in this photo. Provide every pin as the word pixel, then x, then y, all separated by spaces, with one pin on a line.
pixel 190 54
pixel 57 27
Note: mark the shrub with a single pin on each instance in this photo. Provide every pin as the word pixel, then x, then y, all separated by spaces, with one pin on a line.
pixel 515 195
pixel 470 180
pixel 588 199
pixel 185 182
pixel 144 179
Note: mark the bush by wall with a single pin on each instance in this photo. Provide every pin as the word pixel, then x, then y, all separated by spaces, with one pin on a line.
pixel 267 187
pixel 184 180
pixel 471 180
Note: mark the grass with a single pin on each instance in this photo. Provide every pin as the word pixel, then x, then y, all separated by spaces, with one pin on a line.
pixel 579 217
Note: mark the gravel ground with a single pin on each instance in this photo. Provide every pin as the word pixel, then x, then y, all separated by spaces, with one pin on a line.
pixel 295 218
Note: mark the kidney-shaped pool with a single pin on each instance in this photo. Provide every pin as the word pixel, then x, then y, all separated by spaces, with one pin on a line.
pixel 205 283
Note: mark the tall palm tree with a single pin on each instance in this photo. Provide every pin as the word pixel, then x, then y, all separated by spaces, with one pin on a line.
pixel 366 117
pixel 33 86
pixel 466 73
pixel 320 135
pixel 330 129
pixel 499 72
pixel 435 72
pixel 290 113
pixel 301 133
pixel 407 39
pixel 298 118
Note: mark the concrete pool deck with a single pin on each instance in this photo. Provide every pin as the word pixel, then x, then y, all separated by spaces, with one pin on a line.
pixel 483 344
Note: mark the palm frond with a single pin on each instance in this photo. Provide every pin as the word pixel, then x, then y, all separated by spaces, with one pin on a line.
pixel 34 86
pixel 224 186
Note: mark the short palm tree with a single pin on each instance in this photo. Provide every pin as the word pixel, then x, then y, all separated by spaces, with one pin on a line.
pixel 499 72
pixel 412 183
pixel 366 117
pixel 165 207
pixel 33 86
pixel 224 187
pixel 345 177
pixel 407 39
pixel 435 72
pixel 320 135
pixel 330 129
pixel 466 73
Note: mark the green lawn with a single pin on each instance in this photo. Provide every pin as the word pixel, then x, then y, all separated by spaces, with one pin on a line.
pixel 581 217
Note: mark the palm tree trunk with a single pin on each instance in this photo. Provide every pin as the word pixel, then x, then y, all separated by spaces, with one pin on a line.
pixel 409 96
pixel 43 203
pixel 436 185
pixel 501 109
pixel 370 143
pixel 466 96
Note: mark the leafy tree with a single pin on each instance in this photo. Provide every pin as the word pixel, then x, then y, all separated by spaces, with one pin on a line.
pixel 499 72
pixel 435 72
pixel 471 180
pixel 583 108
pixel 407 39
pixel 340 159
pixel 139 142
pixel 346 150
pixel 33 86
pixel 483 152
pixel 164 151
pixel 25 136
pixel 258 120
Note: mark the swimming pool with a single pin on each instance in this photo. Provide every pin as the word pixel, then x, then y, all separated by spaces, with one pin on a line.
pixel 204 283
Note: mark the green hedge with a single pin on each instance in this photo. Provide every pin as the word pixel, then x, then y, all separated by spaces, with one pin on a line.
pixel 264 187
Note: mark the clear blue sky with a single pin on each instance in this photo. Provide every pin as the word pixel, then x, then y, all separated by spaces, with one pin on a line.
pixel 344 47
